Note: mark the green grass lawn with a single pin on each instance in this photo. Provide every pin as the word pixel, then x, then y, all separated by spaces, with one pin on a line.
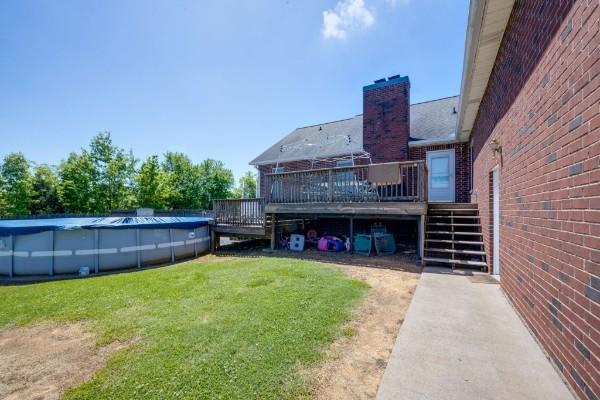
pixel 222 329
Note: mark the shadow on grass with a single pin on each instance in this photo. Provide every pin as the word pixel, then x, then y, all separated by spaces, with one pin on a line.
pixel 260 248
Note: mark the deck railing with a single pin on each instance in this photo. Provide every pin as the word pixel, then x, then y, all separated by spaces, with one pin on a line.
pixel 240 212
pixel 348 184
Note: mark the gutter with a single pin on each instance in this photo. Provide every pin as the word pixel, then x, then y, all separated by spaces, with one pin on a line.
pixel 486 26
pixel 476 10
pixel 432 142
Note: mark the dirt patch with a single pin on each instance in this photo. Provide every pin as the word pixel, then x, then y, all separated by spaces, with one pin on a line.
pixel 41 362
pixel 355 364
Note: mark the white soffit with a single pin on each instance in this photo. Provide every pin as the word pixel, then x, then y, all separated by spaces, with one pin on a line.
pixel 487 22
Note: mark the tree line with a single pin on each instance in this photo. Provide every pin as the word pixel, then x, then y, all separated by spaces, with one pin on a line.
pixel 105 177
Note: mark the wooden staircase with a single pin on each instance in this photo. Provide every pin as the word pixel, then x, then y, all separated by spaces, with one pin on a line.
pixel 453 236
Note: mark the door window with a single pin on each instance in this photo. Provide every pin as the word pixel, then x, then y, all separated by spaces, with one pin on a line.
pixel 440 172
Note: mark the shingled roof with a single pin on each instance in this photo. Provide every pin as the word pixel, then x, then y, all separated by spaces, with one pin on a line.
pixel 429 120
pixel 434 119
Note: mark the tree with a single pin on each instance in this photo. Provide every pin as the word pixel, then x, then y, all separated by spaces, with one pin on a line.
pixel 15 185
pixel 183 181
pixel 247 186
pixel 151 185
pixel 45 199
pixel 76 183
pixel 114 170
pixel 216 182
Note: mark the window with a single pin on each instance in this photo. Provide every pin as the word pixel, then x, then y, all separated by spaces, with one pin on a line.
pixel 278 170
pixel 440 172
pixel 345 163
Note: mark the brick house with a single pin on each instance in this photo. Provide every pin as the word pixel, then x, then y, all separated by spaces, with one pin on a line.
pixel 390 129
pixel 530 112
pixel 518 150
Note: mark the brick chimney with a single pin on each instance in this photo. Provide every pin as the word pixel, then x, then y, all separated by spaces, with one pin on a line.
pixel 386 119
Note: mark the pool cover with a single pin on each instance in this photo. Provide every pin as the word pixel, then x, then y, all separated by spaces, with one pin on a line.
pixel 29 226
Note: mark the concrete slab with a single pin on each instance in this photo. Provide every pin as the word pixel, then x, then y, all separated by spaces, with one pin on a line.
pixel 462 340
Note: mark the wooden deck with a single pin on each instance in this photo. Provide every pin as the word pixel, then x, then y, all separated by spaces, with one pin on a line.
pixel 240 216
pixel 254 231
pixel 407 182
pixel 391 190
pixel 349 208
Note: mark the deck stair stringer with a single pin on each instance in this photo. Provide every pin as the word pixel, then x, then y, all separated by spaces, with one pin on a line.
pixel 453 236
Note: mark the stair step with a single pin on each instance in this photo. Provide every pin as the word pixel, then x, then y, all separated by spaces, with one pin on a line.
pixel 453 209
pixel 456 233
pixel 451 261
pixel 451 224
pixel 454 241
pixel 452 205
pixel 456 251
pixel 454 216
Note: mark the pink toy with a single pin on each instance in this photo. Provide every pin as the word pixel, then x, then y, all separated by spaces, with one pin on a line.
pixel 330 243
pixel 323 244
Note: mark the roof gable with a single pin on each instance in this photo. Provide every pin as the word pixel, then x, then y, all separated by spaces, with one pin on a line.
pixel 317 141
pixel 431 120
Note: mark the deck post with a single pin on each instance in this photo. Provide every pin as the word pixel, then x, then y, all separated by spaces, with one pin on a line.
pixel 329 186
pixel 421 238
pixel 351 234
pixel 273 220
pixel 213 238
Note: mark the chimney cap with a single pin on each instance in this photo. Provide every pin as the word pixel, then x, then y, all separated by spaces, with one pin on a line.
pixel 381 83
pixel 393 77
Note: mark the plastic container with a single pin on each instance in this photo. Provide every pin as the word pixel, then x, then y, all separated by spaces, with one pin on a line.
pixel 297 242
pixel 363 244
pixel 385 244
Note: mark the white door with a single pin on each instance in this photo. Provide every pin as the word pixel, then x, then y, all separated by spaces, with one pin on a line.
pixel 496 216
pixel 440 167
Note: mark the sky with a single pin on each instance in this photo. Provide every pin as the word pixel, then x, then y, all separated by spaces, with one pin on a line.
pixel 221 79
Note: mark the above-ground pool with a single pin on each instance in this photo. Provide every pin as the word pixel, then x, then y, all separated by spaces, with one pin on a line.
pixel 34 247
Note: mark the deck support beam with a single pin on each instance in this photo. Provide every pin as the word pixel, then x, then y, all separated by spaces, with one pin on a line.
pixel 421 239
pixel 393 209
pixel 214 237
pixel 273 223
pixel 351 234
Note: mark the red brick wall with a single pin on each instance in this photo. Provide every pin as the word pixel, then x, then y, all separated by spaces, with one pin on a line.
pixel 462 164
pixel 386 120
pixel 542 105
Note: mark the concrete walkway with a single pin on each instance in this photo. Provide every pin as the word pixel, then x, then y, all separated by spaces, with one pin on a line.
pixel 463 340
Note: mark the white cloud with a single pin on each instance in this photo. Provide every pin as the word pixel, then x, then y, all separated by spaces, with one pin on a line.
pixel 347 14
